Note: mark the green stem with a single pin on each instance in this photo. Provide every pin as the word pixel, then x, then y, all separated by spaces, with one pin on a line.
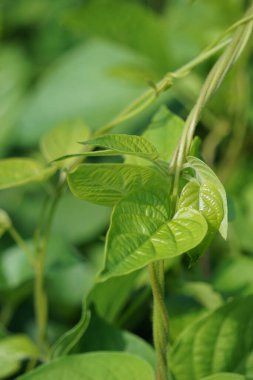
pixel 22 244
pixel 160 321
pixel 40 298
pixel 212 83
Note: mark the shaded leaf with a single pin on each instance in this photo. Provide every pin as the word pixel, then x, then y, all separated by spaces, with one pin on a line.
pixel 204 174
pixel 142 231
pixel 20 171
pixel 106 184
pixel 102 336
pixel 125 144
pixel 14 349
pixel 69 340
pixel 203 293
pixel 164 132
pixel 63 140
pixel 94 366
pixel 219 342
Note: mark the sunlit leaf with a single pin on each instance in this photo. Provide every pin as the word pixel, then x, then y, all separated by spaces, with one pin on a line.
pixel 69 340
pixel 20 171
pixel 63 140
pixel 106 184
pixel 94 366
pixel 125 144
pixel 142 231
pixel 220 342
pixel 208 200
pixel 14 349
pixel 204 175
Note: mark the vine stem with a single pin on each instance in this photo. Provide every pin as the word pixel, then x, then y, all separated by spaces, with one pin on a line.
pixel 160 320
pixel 42 240
pixel 211 85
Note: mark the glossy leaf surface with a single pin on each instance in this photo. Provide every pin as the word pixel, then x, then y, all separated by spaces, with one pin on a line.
pixel 142 231
pixel 204 174
pixel 125 144
pixel 219 342
pixel 94 366
pixel 106 184
pixel 63 140
pixel 20 171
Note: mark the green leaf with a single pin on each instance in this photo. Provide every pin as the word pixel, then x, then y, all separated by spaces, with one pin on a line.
pixel 225 376
pixel 111 296
pixel 227 280
pixel 106 184
pixel 164 132
pixel 204 175
pixel 203 293
pixel 14 349
pixel 142 231
pixel 63 140
pixel 206 199
pixel 69 340
pixel 219 342
pixel 5 222
pixel 94 366
pixel 20 171
pixel 102 336
pixel 126 144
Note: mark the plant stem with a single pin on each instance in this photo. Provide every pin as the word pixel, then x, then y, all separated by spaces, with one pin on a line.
pixel 160 320
pixel 40 298
pixel 22 244
pixel 212 83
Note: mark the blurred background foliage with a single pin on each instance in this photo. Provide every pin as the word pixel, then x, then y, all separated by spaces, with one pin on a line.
pixel 65 60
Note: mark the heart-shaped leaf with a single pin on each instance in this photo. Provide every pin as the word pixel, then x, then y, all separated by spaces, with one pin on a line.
pixel 204 174
pixel 206 199
pixel 142 231
pixel 219 342
pixel 94 366
pixel 106 184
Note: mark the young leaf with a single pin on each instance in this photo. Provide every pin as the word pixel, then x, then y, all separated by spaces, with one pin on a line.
pixel 142 231
pixel 14 349
pixel 206 199
pixel 63 140
pixel 225 376
pixel 106 184
pixel 220 342
pixel 5 222
pixel 94 366
pixel 68 340
pixel 125 144
pixel 20 171
pixel 205 174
